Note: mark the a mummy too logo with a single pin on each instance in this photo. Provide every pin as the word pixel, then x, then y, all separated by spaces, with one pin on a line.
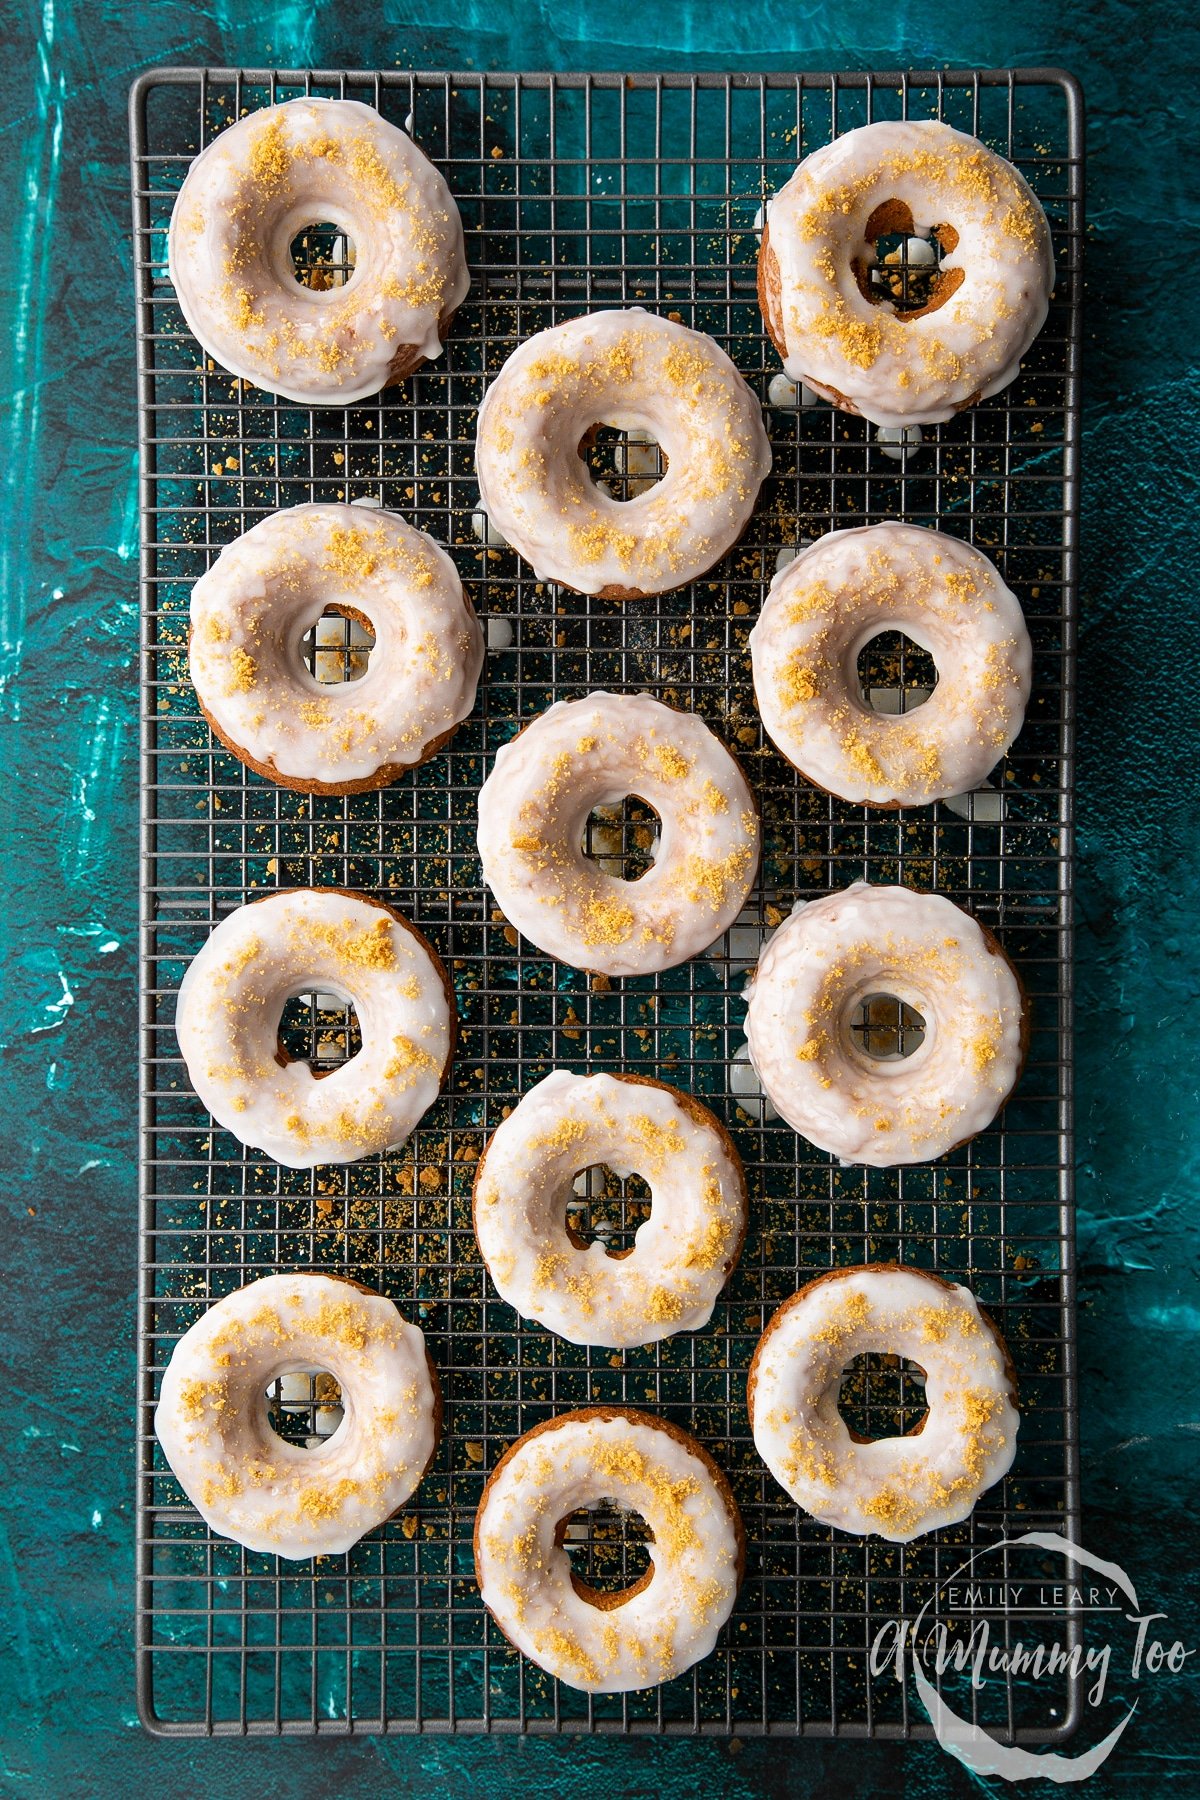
pixel 1032 1638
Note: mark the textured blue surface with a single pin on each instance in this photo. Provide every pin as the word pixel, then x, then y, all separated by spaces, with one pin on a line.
pixel 67 713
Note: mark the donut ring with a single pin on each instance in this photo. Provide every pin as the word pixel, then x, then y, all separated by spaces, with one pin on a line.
pixel 830 602
pixel 684 1253
pixel 831 956
pixel 633 371
pixel 249 1484
pixel 331 940
pixel 266 591
pixel 900 1487
pixel 533 812
pixel 601 1642
pixel 254 189
pixel 841 335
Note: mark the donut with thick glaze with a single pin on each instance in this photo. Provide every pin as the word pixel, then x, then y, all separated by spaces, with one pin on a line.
pixel 246 1481
pixel 252 611
pixel 844 590
pixel 327 940
pixel 832 955
pixel 841 334
pixel 261 183
pixel 897 1487
pixel 640 374
pixel 600 1642
pixel 533 813
pixel 682 1255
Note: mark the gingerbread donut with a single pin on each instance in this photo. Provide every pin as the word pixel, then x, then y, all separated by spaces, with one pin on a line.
pixel 843 335
pixel 258 186
pixel 600 1642
pixel 829 958
pixel 898 1487
pixel 324 939
pixel 251 1485
pixel 683 1253
pixel 837 595
pixel 637 373
pixel 533 812
pixel 252 611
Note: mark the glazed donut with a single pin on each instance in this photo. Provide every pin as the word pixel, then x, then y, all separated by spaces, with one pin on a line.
pixel 683 1253
pixel 533 811
pixel 254 189
pixel 831 601
pixel 898 1487
pixel 330 941
pixel 249 1484
pixel 638 373
pixel 842 335
pixel 609 1643
pixel 833 954
pixel 266 591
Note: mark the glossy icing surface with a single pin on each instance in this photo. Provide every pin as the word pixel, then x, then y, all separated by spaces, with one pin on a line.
pixel 524 1573
pixel 581 754
pixel 322 940
pixel 681 1255
pixel 252 1485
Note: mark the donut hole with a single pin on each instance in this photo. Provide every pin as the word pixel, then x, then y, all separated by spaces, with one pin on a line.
pixel 895 675
pixel 886 1028
pixel 607 1549
pixel 323 256
pixel 607 1208
pixel 320 1029
pixel 881 1395
pixel 338 647
pixel 626 464
pixel 304 1407
pixel 622 839
pixel 901 267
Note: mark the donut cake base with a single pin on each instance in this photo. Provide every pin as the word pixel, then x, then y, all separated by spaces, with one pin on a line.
pixel 393 1636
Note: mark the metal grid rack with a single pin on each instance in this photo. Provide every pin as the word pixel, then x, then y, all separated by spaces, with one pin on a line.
pixel 579 192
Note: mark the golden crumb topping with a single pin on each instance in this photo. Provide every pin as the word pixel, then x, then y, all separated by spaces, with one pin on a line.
pixel 243 671
pixel 407 1059
pixel 348 554
pixel 270 158
pixel 606 921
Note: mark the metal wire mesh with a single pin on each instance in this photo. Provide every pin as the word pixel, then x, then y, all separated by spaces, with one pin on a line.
pixel 579 192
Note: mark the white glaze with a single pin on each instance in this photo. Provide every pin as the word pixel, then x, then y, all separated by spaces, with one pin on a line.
pixel 254 188
pixel 897 442
pixel 307 939
pixel 266 590
pixel 640 374
pixel 746 1088
pixel 246 1482
pixel 860 354
pixel 681 1255
pixel 829 602
pixel 524 1575
pixel 921 948
pixel 533 810
pixel 900 1487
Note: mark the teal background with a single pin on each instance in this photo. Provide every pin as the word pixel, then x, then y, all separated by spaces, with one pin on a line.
pixel 68 551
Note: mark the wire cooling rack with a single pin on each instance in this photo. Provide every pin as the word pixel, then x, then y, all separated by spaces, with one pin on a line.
pixel 579 192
